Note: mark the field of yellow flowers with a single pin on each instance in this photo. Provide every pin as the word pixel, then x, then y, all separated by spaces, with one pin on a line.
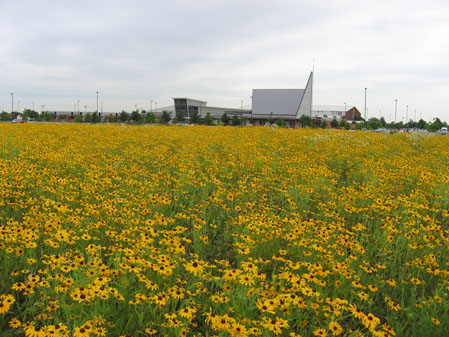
pixel 222 231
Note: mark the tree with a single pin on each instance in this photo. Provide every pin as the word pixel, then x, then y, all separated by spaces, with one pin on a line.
pixel 436 125
pixel 135 116
pixel 208 119
pixel 194 117
pixel 374 123
pixel 225 119
pixel 342 123
pixel 235 120
pixel 180 116
pixel 165 118
pixel 95 118
pixel 334 122
pixel 5 116
pixel 79 119
pixel 305 121
pixel 88 118
pixel 422 124
pixel 383 122
pixel 28 113
pixel 47 116
pixel 280 122
pixel 323 124
pixel 124 116
pixel 151 117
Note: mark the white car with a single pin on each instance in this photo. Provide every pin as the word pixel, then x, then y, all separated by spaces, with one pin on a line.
pixel 443 131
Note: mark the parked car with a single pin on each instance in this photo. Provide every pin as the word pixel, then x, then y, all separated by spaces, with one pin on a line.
pixel 443 131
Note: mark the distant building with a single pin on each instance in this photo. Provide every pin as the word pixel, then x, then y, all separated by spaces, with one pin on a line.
pixel 329 112
pixel 286 104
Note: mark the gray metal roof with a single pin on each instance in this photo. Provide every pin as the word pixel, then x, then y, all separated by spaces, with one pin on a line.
pixel 277 101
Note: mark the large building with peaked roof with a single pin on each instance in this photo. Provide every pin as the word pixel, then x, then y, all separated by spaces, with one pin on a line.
pixel 286 104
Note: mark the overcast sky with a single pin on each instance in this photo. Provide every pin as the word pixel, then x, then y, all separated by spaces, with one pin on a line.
pixel 55 53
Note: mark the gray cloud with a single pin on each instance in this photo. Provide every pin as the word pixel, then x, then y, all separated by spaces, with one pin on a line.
pixel 56 52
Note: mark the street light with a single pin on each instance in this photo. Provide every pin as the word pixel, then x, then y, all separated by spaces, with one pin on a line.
pixel 12 102
pixel 365 107
pixel 97 102
pixel 406 115
pixel 395 110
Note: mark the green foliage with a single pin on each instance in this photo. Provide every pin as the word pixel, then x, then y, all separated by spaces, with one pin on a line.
pixel 271 119
pixel 180 118
pixel 194 117
pixel 135 116
pixel 30 114
pixel 88 118
pixel 383 123
pixel 334 122
pixel 225 119
pixel 150 117
pixel 124 116
pixel 374 123
pixel 305 121
pixel 235 120
pixel 79 118
pixel 165 118
pixel 5 116
pixel 47 116
pixel 280 122
pixel 323 124
pixel 422 124
pixel 436 125
pixel 208 119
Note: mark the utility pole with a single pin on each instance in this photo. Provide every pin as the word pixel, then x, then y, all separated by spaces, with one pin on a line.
pixel 406 115
pixel 365 107
pixel 395 110
pixel 97 102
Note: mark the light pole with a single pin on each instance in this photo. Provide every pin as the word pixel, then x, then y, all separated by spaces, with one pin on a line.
pixel 97 102
pixel 406 115
pixel 365 107
pixel 395 110
pixel 78 106
pixel 345 109
pixel 12 102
